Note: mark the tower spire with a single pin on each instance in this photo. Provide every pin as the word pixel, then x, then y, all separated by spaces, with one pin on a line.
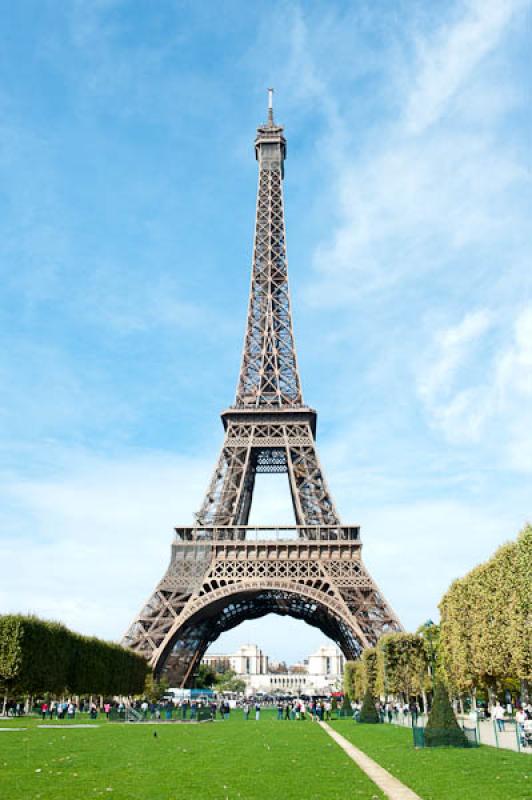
pixel 270 107
pixel 269 375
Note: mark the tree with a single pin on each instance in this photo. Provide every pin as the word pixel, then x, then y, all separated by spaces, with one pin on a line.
pixel 368 712
pixel 154 689
pixel 37 656
pixel 229 682
pixel 485 621
pixel 405 664
pixel 442 728
pixel 206 677
pixel 373 666
pixel 355 679
pixel 346 705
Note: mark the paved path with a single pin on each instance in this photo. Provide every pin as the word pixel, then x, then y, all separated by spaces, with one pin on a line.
pixel 392 788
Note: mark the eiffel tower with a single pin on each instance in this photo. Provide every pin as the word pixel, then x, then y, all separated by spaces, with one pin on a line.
pixel 222 570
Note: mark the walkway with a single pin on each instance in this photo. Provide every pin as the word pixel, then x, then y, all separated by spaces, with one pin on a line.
pixel 392 788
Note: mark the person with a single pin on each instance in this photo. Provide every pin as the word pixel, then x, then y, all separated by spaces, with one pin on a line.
pixel 107 709
pixel 328 706
pixel 245 709
pixel 498 716
pixel 257 711
pixel 71 711
pixel 44 709
pixel 389 711
pixel 413 709
pixel 227 709
pixel 287 710
pixel 521 718
pixel 303 710
pixel 93 711
pixel 279 709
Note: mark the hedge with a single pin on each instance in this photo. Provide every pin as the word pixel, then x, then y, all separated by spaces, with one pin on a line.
pixel 38 656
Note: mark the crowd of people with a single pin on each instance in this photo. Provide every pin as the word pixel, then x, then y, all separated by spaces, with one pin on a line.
pixel 315 709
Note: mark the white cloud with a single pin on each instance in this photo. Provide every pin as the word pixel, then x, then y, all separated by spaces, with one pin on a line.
pixel 465 405
pixel 453 346
pixel 426 190
pixel 447 60
pixel 415 550
pixel 90 543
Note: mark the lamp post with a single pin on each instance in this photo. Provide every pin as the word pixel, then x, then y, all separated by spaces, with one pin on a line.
pixel 427 625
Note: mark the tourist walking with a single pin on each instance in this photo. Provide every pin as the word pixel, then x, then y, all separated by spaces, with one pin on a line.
pixel 245 709
pixel 257 711
pixel 44 709
pixel 498 716
pixel 279 710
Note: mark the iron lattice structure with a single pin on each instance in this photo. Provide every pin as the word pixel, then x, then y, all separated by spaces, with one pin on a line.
pixel 223 571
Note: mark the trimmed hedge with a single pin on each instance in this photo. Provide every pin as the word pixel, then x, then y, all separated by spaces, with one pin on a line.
pixel 442 728
pixel 38 656
pixel 368 712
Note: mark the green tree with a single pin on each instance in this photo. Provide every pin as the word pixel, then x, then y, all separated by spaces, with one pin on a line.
pixel 355 679
pixel 485 621
pixel 368 712
pixel 404 663
pixel 373 669
pixel 229 682
pixel 154 689
pixel 206 677
pixel 442 727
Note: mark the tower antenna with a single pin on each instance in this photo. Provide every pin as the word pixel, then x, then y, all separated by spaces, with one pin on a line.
pixel 270 106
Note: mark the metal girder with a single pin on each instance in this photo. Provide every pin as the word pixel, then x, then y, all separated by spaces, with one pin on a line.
pixel 220 573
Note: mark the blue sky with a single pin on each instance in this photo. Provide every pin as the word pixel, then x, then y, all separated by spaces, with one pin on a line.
pixel 127 199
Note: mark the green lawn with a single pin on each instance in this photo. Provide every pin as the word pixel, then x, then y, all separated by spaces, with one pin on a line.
pixel 235 759
pixel 443 773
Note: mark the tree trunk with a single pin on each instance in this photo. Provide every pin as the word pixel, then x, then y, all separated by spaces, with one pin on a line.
pixel 4 705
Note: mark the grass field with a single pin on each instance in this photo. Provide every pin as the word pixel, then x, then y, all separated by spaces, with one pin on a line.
pixel 251 760
pixel 234 759
pixel 443 773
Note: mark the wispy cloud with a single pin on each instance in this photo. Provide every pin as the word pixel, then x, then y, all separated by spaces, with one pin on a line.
pixel 464 403
pixel 429 185
pixel 95 521
pixel 447 60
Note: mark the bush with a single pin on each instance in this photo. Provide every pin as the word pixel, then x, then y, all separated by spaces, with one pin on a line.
pixel 442 728
pixel 368 712
pixel 38 657
pixel 346 709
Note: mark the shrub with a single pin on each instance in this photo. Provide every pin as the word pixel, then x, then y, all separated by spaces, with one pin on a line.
pixel 368 712
pixel 442 728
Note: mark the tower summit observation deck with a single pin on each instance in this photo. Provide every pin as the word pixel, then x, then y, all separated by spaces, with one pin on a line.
pixel 223 571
